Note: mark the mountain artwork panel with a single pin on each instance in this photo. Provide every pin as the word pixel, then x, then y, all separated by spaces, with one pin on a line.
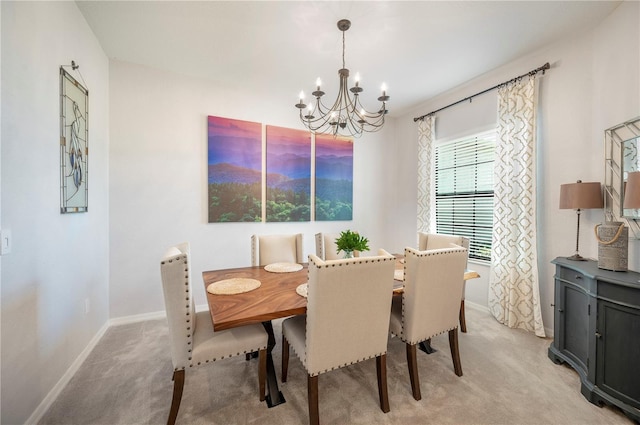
pixel 288 182
pixel 334 178
pixel 234 170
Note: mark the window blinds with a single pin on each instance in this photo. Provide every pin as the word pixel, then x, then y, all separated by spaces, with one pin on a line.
pixel 464 191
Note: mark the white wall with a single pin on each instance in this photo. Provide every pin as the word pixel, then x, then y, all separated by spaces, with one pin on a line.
pixel 57 260
pixel 158 181
pixel 593 83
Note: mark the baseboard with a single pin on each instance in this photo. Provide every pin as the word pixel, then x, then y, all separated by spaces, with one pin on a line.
pixel 64 380
pixel 547 331
pixel 137 318
pixel 147 316
pixel 475 306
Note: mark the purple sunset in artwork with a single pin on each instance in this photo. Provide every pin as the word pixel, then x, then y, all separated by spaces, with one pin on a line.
pixel 334 178
pixel 235 144
pixel 288 174
pixel 234 170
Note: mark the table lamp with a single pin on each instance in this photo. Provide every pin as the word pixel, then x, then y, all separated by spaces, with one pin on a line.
pixel 632 191
pixel 578 196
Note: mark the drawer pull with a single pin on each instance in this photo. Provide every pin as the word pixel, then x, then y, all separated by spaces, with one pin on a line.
pixel 560 310
pixel 598 335
pixel 578 276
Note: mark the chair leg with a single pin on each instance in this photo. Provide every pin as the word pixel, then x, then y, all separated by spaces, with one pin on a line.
pixel 285 358
pixel 412 362
pixel 178 385
pixel 455 351
pixel 312 394
pixel 262 372
pixel 381 368
pixel 463 322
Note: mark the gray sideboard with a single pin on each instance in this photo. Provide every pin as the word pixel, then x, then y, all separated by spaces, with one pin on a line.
pixel 597 331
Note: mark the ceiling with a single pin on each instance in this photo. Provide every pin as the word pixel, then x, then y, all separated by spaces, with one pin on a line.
pixel 274 49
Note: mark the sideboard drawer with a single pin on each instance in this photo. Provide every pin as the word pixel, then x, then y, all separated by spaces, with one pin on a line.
pixel 576 278
pixel 618 294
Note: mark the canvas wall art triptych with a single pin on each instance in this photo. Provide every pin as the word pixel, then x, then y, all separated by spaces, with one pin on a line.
pixel 274 174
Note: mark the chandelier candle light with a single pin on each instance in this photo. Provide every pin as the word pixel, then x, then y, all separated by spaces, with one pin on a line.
pixel 347 116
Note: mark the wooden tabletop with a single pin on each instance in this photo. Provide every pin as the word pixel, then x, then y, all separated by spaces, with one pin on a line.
pixel 275 298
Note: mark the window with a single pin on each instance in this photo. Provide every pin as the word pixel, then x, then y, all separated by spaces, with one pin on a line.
pixel 464 190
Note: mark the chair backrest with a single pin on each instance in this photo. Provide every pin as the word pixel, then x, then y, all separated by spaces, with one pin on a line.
pixel 175 270
pixel 433 282
pixel 268 249
pixel 326 248
pixel 348 310
pixel 428 241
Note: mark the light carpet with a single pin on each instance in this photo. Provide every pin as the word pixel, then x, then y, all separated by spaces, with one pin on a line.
pixel 508 379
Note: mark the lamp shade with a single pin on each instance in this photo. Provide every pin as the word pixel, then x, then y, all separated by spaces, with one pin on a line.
pixel 581 195
pixel 632 191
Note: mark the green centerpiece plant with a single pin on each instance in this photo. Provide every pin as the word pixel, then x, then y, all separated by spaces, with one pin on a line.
pixel 349 241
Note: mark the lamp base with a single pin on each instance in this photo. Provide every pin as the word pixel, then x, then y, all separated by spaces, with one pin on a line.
pixel 577 257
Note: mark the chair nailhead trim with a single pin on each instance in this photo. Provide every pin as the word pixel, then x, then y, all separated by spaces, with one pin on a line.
pixel 264 347
pixel 363 260
pixel 188 321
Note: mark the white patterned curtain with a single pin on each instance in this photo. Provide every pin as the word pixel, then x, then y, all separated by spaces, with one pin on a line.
pixel 514 295
pixel 426 137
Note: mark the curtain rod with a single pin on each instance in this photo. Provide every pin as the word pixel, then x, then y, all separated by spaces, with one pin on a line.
pixel 543 68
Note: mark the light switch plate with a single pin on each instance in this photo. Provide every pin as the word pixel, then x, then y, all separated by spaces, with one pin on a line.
pixel 5 242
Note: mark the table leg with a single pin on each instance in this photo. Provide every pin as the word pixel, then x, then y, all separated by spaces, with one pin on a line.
pixel 426 346
pixel 274 396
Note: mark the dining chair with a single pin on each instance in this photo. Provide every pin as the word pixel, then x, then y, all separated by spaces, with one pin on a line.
pixel 193 341
pixel 429 303
pixel 326 248
pixel 267 249
pixel 428 241
pixel 347 321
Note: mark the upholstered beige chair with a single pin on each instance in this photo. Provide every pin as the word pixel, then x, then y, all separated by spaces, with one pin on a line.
pixel 193 341
pixel 268 249
pixel 348 303
pixel 429 304
pixel 326 248
pixel 428 241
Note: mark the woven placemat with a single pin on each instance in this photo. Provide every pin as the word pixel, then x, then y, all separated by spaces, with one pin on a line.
pixel 302 289
pixel 236 285
pixel 283 267
pixel 398 275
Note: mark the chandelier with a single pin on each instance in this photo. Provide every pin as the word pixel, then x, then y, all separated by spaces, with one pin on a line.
pixel 347 116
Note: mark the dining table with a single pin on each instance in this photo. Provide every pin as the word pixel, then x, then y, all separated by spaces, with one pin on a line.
pixel 275 298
